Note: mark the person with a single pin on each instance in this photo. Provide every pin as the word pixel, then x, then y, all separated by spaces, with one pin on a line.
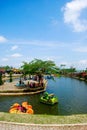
pixel 28 84
pixel 35 78
pixel 25 78
pixel 31 85
pixel 20 81
pixel 39 77
pixel 41 82
pixel 31 76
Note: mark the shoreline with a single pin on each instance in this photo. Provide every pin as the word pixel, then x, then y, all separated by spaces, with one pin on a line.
pixel 10 88
pixel 26 121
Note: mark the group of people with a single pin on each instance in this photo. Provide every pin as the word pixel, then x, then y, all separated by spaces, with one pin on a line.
pixel 35 84
pixel 37 81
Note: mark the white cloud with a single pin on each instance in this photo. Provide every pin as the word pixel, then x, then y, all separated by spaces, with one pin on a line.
pixel 5 59
pixel 14 47
pixel 65 63
pixel 83 62
pixel 81 49
pixel 2 39
pixel 16 55
pixel 53 58
pixel 50 44
pixel 72 14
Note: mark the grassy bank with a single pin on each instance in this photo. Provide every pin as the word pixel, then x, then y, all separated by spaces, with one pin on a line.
pixel 43 119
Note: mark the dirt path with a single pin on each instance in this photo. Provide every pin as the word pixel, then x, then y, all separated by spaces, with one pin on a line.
pixel 18 126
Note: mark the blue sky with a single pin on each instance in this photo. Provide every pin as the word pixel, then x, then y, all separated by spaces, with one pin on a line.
pixel 43 29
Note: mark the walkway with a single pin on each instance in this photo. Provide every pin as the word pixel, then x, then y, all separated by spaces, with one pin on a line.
pixel 18 126
pixel 10 88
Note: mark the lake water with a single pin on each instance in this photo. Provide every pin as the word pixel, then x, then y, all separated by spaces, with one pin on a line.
pixel 71 93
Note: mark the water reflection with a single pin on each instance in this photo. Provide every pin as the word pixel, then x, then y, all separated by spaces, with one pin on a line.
pixel 72 95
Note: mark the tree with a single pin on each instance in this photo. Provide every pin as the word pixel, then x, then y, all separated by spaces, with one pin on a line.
pixel 10 77
pixel 38 66
pixel 1 82
pixel 62 68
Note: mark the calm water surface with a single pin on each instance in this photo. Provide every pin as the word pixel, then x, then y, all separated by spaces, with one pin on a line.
pixel 72 95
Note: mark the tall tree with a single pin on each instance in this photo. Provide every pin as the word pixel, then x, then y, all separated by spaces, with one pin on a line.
pixel 1 82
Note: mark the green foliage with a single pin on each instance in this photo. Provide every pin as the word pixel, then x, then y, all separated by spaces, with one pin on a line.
pixel 39 66
pixel 67 70
pixel 6 67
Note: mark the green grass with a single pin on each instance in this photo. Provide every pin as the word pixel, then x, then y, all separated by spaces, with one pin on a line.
pixel 43 119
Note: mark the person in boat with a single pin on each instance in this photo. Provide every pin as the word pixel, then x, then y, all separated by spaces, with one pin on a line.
pixel 21 108
pixel 46 96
